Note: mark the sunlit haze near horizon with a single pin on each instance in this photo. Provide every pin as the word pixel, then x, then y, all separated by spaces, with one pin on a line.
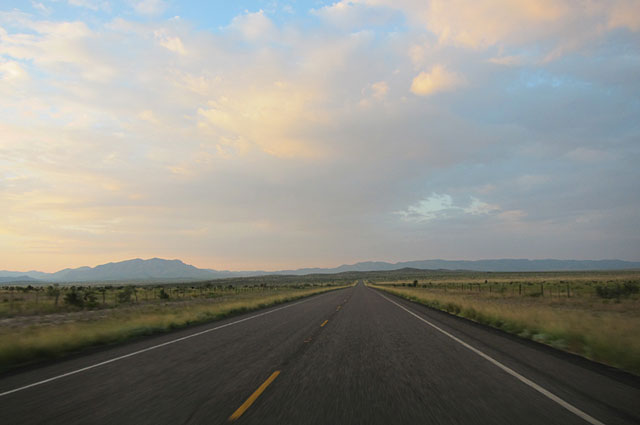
pixel 285 134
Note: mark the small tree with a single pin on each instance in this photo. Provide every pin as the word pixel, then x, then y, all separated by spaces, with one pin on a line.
pixel 103 291
pixel 90 300
pixel 125 295
pixel 54 291
pixel 163 294
pixel 74 298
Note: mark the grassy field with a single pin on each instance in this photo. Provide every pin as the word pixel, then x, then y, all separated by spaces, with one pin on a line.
pixel 46 299
pixel 595 314
pixel 32 331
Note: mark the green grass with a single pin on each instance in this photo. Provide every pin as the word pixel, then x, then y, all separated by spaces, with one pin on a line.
pixel 25 345
pixel 600 330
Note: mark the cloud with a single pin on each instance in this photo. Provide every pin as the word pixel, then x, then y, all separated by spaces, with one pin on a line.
pixel 91 4
pixel 441 206
pixel 508 60
pixel 380 89
pixel 254 26
pixel 171 43
pixel 12 72
pixel 486 22
pixel 350 15
pixel 278 141
pixel 149 116
pixel 624 14
pixel 149 7
pixel 529 181
pixel 268 117
pixel 438 79
pixel 589 155
pixel 550 26
pixel 41 7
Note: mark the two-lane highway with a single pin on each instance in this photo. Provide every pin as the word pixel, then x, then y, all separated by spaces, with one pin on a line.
pixel 354 356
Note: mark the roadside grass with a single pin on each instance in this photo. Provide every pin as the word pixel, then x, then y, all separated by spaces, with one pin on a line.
pixel 26 345
pixel 601 331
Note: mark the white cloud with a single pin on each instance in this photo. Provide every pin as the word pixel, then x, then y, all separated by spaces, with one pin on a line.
pixel 149 7
pixel 172 43
pixel 380 89
pixel 349 15
pixel 41 7
pixel 254 26
pixel 149 116
pixel 428 209
pixel 12 72
pixel 478 207
pixel 558 26
pixel 441 206
pixel 438 79
pixel 268 117
pixel 91 4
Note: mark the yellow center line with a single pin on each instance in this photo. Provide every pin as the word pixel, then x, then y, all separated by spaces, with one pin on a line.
pixel 253 396
pixel 324 323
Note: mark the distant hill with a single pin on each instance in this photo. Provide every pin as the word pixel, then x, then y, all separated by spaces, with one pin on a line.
pixel 17 279
pixel 501 265
pixel 160 269
pixel 137 269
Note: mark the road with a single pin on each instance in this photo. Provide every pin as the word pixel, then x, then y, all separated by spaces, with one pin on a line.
pixel 353 356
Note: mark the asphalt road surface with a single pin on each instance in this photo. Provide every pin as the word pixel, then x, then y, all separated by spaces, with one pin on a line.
pixel 353 356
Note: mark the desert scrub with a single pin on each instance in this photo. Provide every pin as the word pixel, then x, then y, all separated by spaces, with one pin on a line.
pixel 28 344
pixel 601 332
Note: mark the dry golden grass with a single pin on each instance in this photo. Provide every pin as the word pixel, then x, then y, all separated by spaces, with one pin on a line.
pixel 602 330
pixel 26 345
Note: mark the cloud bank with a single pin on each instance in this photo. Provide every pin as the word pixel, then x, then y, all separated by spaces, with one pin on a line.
pixel 318 135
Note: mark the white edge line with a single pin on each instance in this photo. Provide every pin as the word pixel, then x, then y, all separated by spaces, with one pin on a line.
pixel 507 369
pixel 173 341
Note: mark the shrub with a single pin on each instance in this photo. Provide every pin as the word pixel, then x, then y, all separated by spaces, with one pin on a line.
pixel 90 300
pixel 124 296
pixel 617 291
pixel 54 292
pixel 74 298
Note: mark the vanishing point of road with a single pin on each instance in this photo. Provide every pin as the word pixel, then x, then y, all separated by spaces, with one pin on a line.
pixel 351 356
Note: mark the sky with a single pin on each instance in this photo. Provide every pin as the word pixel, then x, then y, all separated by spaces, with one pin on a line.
pixel 284 134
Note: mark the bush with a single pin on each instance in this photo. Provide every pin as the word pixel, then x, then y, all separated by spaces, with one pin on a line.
pixel 125 295
pixel 90 300
pixel 617 291
pixel 54 292
pixel 74 298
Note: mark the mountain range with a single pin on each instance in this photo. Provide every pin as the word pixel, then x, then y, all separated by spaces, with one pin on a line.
pixel 160 269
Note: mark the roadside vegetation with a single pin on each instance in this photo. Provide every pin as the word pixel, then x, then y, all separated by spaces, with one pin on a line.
pixel 39 323
pixel 595 315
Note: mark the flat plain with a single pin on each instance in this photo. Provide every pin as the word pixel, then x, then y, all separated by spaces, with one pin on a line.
pixel 592 314
pixel 350 356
